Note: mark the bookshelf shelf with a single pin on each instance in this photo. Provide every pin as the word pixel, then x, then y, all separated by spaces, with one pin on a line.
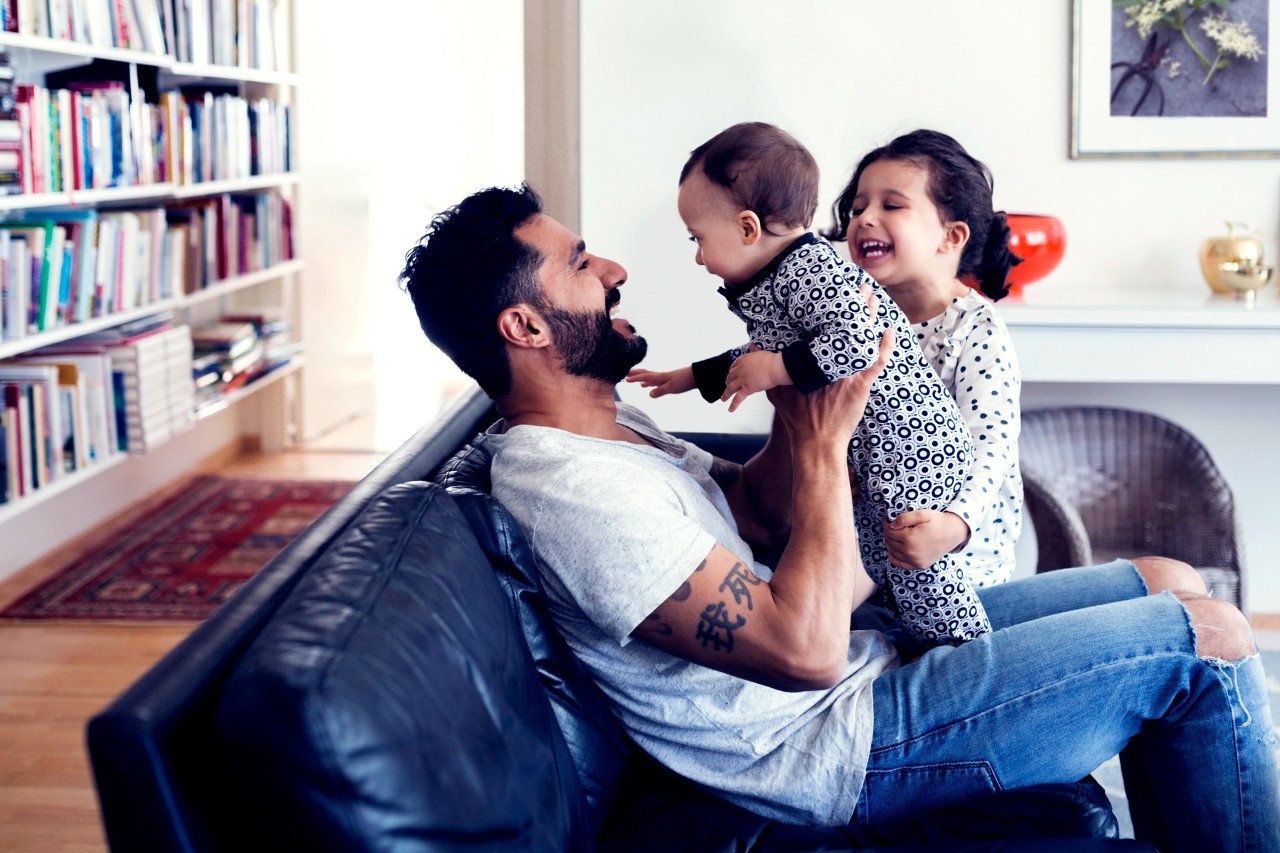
pixel 39 55
pixel 181 73
pixel 76 330
pixel 188 233
pixel 219 289
pixel 79 198
pixel 61 486
pixel 239 185
pixel 269 379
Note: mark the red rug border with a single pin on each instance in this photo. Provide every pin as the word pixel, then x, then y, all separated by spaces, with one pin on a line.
pixel 132 535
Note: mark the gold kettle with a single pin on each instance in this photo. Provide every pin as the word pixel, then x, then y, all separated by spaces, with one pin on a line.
pixel 1234 252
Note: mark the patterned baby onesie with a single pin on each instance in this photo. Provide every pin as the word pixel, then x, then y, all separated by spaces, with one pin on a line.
pixel 912 449
pixel 971 349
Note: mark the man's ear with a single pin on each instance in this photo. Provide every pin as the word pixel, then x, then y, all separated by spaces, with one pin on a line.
pixel 522 326
pixel 749 227
pixel 954 238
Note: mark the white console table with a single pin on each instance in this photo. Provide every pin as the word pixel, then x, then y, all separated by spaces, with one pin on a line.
pixel 1210 363
pixel 1145 336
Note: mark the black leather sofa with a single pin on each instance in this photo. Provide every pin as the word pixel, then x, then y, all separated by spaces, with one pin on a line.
pixel 391 682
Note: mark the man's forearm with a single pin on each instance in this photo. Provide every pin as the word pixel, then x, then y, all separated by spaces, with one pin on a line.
pixel 767 486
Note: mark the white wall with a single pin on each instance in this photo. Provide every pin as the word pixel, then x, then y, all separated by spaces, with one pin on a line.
pixel 660 77
pixel 403 113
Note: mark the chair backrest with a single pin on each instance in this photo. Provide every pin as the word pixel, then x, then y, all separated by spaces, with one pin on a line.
pixel 1138 484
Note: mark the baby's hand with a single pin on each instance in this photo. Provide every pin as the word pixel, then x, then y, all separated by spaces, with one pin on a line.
pixel 664 382
pixel 756 371
pixel 920 538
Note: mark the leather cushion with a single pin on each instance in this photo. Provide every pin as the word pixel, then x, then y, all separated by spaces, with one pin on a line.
pixel 601 752
pixel 391 701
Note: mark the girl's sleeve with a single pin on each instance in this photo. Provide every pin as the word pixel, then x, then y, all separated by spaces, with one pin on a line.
pixel 711 375
pixel 988 389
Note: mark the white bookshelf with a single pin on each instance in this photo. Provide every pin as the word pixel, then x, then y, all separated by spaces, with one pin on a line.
pixel 266 407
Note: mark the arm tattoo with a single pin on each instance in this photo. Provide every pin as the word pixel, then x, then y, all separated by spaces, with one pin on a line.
pixel 715 629
pixel 725 473
pixel 738 582
pixel 653 626
pixel 715 626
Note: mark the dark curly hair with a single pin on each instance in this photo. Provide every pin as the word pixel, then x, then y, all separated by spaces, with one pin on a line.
pixel 765 170
pixel 961 187
pixel 465 270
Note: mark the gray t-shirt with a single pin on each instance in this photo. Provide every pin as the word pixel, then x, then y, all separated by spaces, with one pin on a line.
pixel 616 528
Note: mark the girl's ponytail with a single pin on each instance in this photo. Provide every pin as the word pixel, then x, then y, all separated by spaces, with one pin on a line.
pixel 992 269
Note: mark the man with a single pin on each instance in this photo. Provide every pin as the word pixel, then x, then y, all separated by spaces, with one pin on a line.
pixel 748 680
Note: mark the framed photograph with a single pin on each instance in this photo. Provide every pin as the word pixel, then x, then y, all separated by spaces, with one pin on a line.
pixel 1162 78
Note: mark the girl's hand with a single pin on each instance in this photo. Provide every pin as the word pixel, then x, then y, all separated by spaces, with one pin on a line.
pixel 664 382
pixel 920 538
pixel 755 371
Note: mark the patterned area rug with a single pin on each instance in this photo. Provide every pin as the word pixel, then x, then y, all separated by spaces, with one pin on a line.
pixel 185 558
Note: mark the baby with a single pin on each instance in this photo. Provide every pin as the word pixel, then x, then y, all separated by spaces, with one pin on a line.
pixel 748 196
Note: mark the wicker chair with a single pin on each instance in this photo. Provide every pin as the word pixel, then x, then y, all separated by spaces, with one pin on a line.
pixel 1102 483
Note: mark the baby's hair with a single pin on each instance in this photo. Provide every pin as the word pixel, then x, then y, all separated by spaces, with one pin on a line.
pixel 764 169
pixel 961 186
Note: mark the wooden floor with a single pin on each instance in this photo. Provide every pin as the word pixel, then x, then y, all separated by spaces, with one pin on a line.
pixel 54 677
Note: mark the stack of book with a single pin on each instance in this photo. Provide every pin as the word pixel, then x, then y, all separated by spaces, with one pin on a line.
pixel 227 355
pixel 151 375
pixel 12 161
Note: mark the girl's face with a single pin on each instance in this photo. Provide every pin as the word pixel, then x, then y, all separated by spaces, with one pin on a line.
pixel 896 232
pixel 715 226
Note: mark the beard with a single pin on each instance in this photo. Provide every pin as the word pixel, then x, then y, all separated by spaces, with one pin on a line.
pixel 590 346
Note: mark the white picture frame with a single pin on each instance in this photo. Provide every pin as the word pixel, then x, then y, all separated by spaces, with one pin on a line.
pixel 1102 127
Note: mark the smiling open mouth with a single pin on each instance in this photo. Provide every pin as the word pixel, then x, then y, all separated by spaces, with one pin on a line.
pixel 874 249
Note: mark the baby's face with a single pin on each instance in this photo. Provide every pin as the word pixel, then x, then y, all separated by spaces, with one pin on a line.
pixel 716 227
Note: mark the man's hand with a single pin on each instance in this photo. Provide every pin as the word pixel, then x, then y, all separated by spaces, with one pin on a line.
pixel 920 538
pixel 754 371
pixel 664 382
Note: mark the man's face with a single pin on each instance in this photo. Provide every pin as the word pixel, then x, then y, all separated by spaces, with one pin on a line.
pixel 579 291
pixel 590 346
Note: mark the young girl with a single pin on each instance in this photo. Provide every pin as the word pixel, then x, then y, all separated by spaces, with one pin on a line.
pixel 917 215
pixel 747 197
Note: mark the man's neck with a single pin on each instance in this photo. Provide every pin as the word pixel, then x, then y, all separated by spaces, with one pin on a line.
pixel 573 404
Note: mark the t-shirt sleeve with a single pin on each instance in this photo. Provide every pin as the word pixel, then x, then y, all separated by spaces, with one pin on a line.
pixel 617 560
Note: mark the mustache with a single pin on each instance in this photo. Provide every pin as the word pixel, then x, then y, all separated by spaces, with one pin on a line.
pixel 611 298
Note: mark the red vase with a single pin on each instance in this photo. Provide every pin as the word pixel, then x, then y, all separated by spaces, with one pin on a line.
pixel 1040 241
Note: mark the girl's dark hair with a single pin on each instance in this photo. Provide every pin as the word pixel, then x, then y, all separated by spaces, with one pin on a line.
pixel 961 187
pixel 764 169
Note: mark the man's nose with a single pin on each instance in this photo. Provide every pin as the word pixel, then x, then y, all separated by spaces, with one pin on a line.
pixel 613 275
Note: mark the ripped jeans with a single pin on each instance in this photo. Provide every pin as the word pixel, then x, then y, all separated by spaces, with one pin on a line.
pixel 1083 664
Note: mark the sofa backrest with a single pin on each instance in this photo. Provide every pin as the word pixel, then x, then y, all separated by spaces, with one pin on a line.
pixel 391 701
pixel 162 779
pixel 603 754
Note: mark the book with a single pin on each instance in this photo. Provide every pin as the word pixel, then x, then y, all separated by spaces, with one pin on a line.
pixel 39 237
pixel 17 441
pixel 44 414
pixel 231 339
pixel 17 414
